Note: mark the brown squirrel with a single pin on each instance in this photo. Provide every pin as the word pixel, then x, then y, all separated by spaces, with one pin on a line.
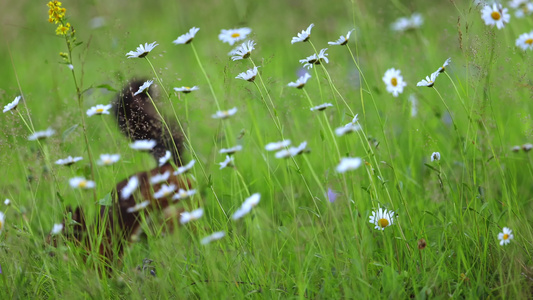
pixel 138 119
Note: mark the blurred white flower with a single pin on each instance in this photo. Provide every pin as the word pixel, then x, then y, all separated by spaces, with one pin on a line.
pixel 187 37
pixel 408 23
pixel 435 156
pixel 184 169
pixel 249 75
pixel 7 202
pixel 230 151
pixel 2 221
pixel 183 194
pixel 143 87
pixel 130 187
pixel 300 83
pixel 243 51
pixel 228 162
pixel 443 68
pixel 142 50
pixel 495 15
pixel 224 114
pixel 165 191
pixel 138 206
pixel 292 151
pixel 68 161
pixel 108 159
pixel 81 182
pixel 348 164
pixel 164 159
pixel 231 36
pixel 277 145
pixel 394 82
pixel 99 109
pixel 186 89
pixel 158 178
pixel 143 145
pixel 13 105
pixel 213 237
pixel 247 206
pixel 303 36
pixel 56 229
pixel 321 107
pixel 39 135
pixel 525 41
pixel 348 128
pixel 343 40
pixel 522 7
pixel 186 216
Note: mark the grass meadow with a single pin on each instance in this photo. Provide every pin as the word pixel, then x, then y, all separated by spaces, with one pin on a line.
pixel 310 236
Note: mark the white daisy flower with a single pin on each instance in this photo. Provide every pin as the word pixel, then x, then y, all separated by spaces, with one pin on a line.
pixel 183 194
pixel 522 7
pixel 277 145
pixel 506 236
pixel 408 23
pixel 443 68
pixel 99 109
pixel 186 216
pixel 348 164
pixel 525 41
pixel 228 162
pixel 68 161
pixel 158 178
pixel 315 59
pixel 343 40
pixel 300 83
pixel 143 87
pixel 213 237
pixel 292 151
pixel 129 188
pixel 321 107
pixel 57 229
pixel 138 206
pixel 348 128
pixel 243 51
pixel 143 145
pixel 165 191
pixel 81 182
pixel 382 218
pixel 247 206
pixel 230 151
pixel 7 202
pixel 2 221
pixel 39 135
pixel 224 114
pixel 186 89
pixel 184 169
pixel 249 75
pixel 142 50
pixel 108 159
pixel 495 15
pixel 303 36
pixel 435 156
pixel 527 147
pixel 164 159
pixel 13 105
pixel 231 36
pixel 394 82
pixel 430 80
pixel 186 38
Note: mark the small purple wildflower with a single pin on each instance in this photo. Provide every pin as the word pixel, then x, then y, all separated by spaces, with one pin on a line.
pixel 331 195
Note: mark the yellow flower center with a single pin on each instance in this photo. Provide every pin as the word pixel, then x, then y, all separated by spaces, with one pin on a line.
pixel 99 110
pixel 394 81
pixel 529 41
pixel 82 184
pixel 235 35
pixel 495 15
pixel 383 223
pixel 1 225
pixel 505 236
pixel 107 162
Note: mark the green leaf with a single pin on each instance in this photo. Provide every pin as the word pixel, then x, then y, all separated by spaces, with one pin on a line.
pixel 106 201
pixel 67 132
pixel 107 87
